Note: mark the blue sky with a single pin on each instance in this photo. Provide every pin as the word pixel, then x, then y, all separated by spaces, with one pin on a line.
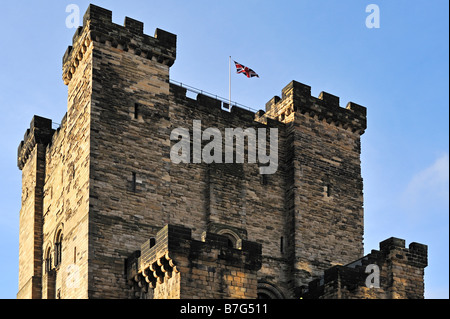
pixel 399 71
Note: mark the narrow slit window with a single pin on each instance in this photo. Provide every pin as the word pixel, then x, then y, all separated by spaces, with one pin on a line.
pixel 282 244
pixel 136 111
pixel 264 180
pixel 328 190
pixel 133 182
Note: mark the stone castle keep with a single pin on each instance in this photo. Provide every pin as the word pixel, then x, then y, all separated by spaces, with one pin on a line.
pixel 106 213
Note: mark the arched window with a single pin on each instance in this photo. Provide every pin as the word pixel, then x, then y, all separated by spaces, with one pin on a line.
pixel 48 260
pixel 58 248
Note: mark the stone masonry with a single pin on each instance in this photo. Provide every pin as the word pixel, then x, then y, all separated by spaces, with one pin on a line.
pixel 107 214
pixel 401 275
pixel 175 266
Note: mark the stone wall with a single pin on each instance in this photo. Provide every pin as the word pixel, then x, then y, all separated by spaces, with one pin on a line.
pixel 231 198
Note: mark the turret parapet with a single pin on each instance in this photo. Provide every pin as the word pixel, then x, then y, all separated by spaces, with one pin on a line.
pixel 297 96
pixel 416 254
pixel 173 251
pixel 394 263
pixel 98 27
pixel 40 132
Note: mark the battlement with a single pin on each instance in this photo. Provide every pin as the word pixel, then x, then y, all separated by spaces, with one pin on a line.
pixel 174 239
pixel 40 132
pixel 174 253
pixel 219 107
pixel 209 104
pixel 98 27
pixel 415 255
pixel 396 264
pixel 325 107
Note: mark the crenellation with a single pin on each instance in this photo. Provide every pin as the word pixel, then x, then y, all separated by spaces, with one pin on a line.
pixel 96 13
pixel 391 243
pixel 134 26
pixel 398 275
pixel 296 97
pixel 358 109
pixel 329 100
pixel 208 102
pixel 272 102
pixel 297 91
pixel 98 27
pixel 166 39
pixel 211 105
pixel 178 91
pixel 75 37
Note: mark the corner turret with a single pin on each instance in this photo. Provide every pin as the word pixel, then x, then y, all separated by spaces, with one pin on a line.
pixel 98 27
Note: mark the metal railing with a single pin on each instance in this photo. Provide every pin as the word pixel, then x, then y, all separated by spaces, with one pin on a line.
pixel 214 96
pixel 225 102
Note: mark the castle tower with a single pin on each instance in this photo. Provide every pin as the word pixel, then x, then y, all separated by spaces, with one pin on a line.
pixel 106 213
pixel 324 194
pixel 114 74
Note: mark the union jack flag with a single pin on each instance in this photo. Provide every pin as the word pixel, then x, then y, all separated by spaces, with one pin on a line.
pixel 245 70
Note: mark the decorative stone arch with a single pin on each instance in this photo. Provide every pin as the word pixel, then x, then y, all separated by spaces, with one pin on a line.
pixel 59 229
pixel 235 235
pixel 234 240
pixel 267 290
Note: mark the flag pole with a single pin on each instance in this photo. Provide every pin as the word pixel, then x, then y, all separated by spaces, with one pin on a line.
pixel 229 84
